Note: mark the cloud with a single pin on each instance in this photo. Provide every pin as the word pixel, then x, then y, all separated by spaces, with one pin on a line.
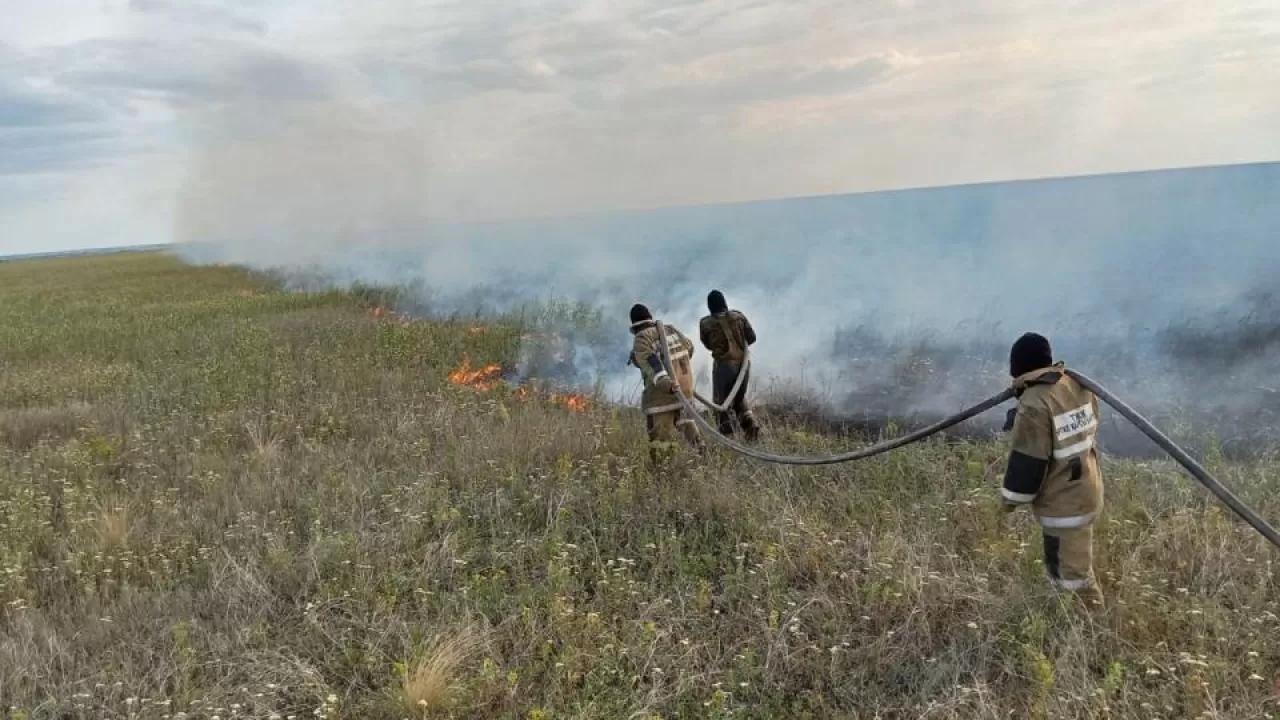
pixel 735 91
pixel 23 106
pixel 24 150
pixel 210 70
pixel 202 14
pixel 563 105
pixel 45 127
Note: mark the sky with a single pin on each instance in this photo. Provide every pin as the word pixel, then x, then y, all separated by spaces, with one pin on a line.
pixel 114 114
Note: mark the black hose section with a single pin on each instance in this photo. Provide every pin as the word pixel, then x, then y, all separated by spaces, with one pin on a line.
pixel 1185 460
pixel 859 454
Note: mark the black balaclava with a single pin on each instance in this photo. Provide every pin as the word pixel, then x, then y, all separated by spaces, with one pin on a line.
pixel 1030 352
pixel 640 313
pixel 716 303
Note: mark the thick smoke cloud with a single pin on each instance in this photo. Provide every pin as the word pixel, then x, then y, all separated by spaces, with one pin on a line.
pixel 886 304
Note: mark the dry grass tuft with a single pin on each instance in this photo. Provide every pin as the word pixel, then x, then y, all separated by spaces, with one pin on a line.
pixel 430 683
pixel 264 442
pixel 114 528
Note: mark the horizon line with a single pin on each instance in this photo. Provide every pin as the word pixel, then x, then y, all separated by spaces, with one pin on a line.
pixel 1038 179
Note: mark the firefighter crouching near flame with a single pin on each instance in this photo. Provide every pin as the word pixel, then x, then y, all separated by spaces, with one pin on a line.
pixel 1053 464
pixel 726 334
pixel 664 414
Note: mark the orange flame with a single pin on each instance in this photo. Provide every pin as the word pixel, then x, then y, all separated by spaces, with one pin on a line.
pixel 486 377
pixel 525 393
pixel 577 403
pixel 380 313
pixel 482 379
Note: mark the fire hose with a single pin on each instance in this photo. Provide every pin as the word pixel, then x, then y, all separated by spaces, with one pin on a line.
pixel 733 391
pixel 1178 454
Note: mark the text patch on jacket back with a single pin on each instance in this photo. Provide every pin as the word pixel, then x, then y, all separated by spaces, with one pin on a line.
pixel 1073 422
pixel 677 350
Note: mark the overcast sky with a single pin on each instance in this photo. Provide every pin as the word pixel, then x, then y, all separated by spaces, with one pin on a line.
pixel 113 111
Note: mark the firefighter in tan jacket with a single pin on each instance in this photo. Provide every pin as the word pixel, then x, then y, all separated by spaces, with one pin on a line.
pixel 664 415
pixel 1053 464
pixel 726 334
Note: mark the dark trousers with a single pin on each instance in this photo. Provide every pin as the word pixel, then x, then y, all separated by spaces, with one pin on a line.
pixel 723 376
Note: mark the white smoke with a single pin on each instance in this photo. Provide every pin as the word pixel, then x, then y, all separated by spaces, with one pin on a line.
pixel 847 293
pixel 1094 263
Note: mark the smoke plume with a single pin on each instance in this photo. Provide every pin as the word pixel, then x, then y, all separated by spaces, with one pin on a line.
pixel 894 304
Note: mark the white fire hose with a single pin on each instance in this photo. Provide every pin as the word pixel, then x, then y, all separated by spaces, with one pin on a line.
pixel 733 392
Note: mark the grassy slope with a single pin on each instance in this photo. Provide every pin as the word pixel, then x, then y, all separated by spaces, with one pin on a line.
pixel 219 499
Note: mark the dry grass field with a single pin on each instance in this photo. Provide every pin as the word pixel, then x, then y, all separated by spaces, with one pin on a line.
pixel 221 500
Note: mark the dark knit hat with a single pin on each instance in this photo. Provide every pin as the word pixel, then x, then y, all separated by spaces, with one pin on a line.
pixel 716 303
pixel 639 313
pixel 1030 352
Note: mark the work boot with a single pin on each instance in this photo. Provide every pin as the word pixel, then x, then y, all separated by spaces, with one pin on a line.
pixel 724 424
pixel 694 438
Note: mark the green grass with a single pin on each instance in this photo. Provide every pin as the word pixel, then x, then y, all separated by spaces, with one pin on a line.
pixel 221 499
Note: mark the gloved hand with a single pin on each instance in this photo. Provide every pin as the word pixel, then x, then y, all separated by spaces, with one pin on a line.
pixel 664 383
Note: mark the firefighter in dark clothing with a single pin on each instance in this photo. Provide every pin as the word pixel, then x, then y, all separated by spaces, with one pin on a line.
pixel 726 334
pixel 1053 464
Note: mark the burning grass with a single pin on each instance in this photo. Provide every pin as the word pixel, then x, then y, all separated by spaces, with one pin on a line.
pixel 482 379
pixel 573 401
pixel 269 506
pixel 488 377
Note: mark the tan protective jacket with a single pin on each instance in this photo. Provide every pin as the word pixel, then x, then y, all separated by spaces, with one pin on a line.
pixel 1053 461
pixel 646 354
pixel 726 335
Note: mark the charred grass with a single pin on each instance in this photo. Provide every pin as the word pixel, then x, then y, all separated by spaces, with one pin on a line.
pixel 218 499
